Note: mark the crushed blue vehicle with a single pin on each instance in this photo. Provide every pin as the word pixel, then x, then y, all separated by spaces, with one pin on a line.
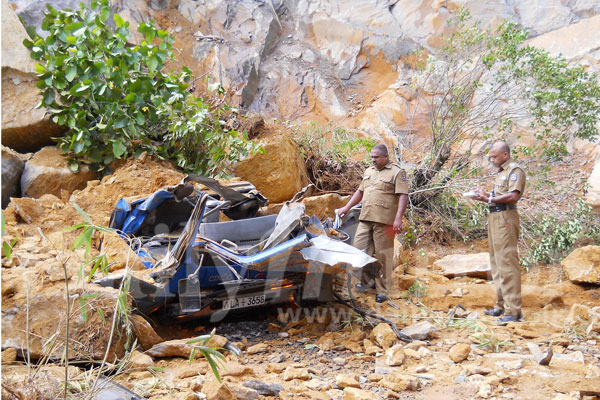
pixel 198 267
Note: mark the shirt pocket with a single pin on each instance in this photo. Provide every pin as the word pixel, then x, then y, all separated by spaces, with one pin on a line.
pixel 385 185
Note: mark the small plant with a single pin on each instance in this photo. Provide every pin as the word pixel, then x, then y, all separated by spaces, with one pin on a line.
pixel 7 245
pixel 215 359
pixel 554 236
pixel 489 341
pixel 356 319
pixel 328 154
pixel 417 289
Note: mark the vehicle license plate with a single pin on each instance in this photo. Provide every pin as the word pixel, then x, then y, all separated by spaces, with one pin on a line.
pixel 242 302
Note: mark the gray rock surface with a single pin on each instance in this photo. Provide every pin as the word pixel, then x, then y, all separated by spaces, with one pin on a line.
pixel 12 168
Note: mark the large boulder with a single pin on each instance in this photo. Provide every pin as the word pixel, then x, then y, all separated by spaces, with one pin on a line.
pixel 48 172
pixel 24 127
pixel 583 265
pixel 279 172
pixel 12 168
pixel 43 312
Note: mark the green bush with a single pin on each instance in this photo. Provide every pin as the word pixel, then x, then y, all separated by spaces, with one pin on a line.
pixel 553 237
pixel 116 100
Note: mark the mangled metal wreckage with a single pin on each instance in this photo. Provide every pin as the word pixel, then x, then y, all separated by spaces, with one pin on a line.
pixel 199 267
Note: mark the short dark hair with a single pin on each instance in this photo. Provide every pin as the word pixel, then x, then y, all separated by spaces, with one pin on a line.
pixel 382 148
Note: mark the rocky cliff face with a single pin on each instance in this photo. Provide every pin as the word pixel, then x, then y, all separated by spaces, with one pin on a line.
pixel 326 60
pixel 321 60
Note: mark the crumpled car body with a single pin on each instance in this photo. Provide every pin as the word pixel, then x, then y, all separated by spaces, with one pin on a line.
pixel 198 267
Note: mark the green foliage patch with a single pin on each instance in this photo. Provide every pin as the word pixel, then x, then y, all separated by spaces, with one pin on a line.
pixel 116 101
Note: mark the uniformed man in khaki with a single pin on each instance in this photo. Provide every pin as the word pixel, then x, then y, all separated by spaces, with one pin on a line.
pixel 503 232
pixel 384 195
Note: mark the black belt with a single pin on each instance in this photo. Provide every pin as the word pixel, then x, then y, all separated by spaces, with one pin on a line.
pixel 502 207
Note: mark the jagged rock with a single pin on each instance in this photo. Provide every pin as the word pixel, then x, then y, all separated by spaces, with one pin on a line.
pixel 47 320
pixel 278 173
pixel 477 370
pixel 584 317
pixel 140 360
pixel 217 391
pixel 399 382
pixel 415 345
pixel 243 393
pixel 180 347
pixel 351 393
pixel 414 354
pixel 395 356
pixel 370 348
pixel 296 373
pixel 538 356
pixel 257 348
pixel 24 127
pixel 475 265
pixel 384 335
pixel 143 331
pixel 583 265
pixel 459 352
pixel 263 388
pixel 237 369
pixel 12 168
pixel 419 331
pixel 346 380
pixel 47 172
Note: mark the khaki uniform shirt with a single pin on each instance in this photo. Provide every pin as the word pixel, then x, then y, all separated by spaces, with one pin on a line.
pixel 381 190
pixel 510 178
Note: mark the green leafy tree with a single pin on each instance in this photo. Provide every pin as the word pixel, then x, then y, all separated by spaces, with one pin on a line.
pixel 484 84
pixel 116 100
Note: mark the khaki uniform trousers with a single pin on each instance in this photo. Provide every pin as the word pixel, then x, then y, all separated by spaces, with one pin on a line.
pixel 503 233
pixel 374 237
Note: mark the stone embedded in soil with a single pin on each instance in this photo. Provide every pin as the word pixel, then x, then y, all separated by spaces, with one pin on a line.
pixel 351 393
pixel 237 369
pixel 474 265
pixel 415 345
pixel 459 352
pixel 257 348
pixel 384 335
pixel 399 382
pixel 477 369
pixel 144 332
pixel 584 316
pixel 217 391
pixel 243 393
pixel 346 380
pixel 264 388
pixel 412 354
pixel 395 356
pixel 181 347
pixel 140 360
pixel 419 331
pixel 583 265
pixel 291 373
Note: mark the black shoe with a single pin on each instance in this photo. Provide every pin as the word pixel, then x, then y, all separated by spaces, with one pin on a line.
pixel 493 312
pixel 380 298
pixel 509 318
pixel 363 287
